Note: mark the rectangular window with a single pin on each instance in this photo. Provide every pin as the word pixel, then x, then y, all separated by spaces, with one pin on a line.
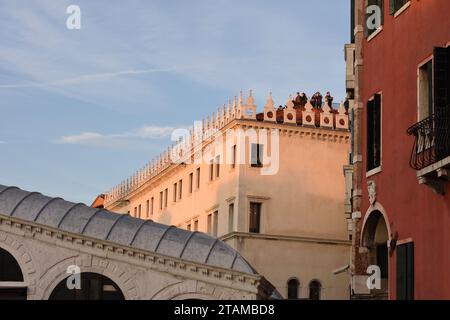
pixel 188 227
pixel 255 217
pixel 211 170
pixel 405 271
pixel 441 101
pixel 161 200
pixel 196 225
pixel 209 224
pixel 151 206
pixel 395 5
pixel 139 211
pixel 374 133
pixel 147 208
pixel 233 156
pixel 231 217
pixel 374 16
pixel 174 192
pixel 215 223
pixel 180 189
pixel 135 212
pixel 217 166
pixel 426 90
pixel 257 155
pixel 191 182
pixel 198 178
pixel 166 196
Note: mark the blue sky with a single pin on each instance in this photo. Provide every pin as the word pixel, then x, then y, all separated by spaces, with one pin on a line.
pixel 80 110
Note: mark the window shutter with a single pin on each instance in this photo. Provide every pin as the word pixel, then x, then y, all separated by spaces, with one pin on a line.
pixel 391 7
pixel 369 132
pixel 410 271
pixel 377 130
pixel 442 101
pixel 254 156
pixel 260 154
pixel 401 273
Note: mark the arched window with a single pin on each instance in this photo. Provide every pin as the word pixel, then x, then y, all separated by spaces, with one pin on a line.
pixel 10 272
pixel 293 286
pixel 93 287
pixel 9 268
pixel 314 290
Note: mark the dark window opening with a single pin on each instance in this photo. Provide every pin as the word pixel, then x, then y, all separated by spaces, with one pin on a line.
pixel 395 5
pixel 255 217
pixel 373 131
pixel 293 286
pixel 405 271
pixel 314 290
pixel 257 155
pixel 9 268
pixel 93 287
pixel 198 178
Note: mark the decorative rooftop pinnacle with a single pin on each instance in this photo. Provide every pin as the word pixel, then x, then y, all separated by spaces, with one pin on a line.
pixel 241 99
pixel 270 103
pixel 250 100
pixel 290 103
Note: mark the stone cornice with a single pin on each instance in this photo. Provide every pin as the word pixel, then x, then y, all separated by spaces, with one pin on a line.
pixel 272 237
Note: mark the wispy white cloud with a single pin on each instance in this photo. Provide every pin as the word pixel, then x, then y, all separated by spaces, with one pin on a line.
pixel 88 78
pixel 119 140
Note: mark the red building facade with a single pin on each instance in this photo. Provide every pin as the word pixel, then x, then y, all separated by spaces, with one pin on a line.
pixel 403 92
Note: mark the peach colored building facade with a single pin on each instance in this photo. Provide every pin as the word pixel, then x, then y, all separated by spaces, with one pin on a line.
pixel 271 185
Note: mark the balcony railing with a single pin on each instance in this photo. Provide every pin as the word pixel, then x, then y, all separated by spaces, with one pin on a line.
pixel 431 141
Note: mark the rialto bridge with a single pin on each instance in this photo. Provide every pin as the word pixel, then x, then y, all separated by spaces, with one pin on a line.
pixel 45 243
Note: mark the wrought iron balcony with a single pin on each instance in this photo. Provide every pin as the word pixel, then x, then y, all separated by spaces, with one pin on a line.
pixel 431 143
pixel 423 153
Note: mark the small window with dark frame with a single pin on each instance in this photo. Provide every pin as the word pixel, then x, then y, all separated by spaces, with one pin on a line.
pixel 196 225
pixel 139 211
pixel 233 156
pixel 255 217
pixel 161 200
pixel 198 178
pixel 209 224
pixel 405 271
pixel 217 166
pixel 175 192
pixel 231 218
pixel 152 201
pixel 215 223
pixel 166 196
pixel 293 285
pixel 395 5
pixel 211 170
pixel 373 131
pixel 180 189
pixel 191 182
pixel 147 208
pixel 257 155
pixel 315 288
